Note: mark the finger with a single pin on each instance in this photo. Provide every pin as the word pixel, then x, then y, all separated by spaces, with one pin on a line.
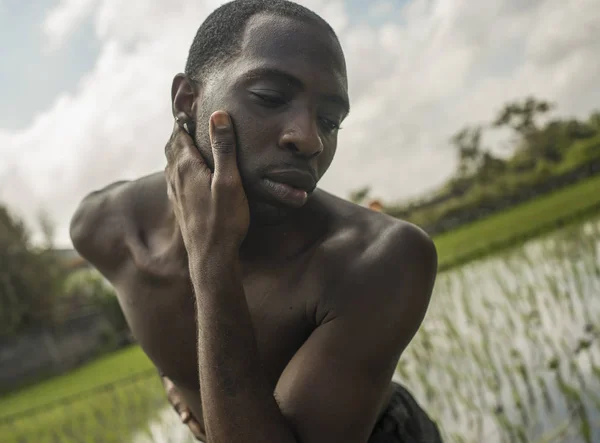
pixel 173 395
pixel 184 414
pixel 169 147
pixel 180 145
pixel 222 141
pixel 195 428
pixel 176 404
pixel 167 383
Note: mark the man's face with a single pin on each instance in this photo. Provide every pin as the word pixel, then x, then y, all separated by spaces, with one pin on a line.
pixel 287 95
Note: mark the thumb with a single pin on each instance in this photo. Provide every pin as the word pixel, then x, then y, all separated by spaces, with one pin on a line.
pixel 222 139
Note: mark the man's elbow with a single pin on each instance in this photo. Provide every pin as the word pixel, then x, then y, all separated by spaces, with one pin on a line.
pixel 82 223
pixel 91 213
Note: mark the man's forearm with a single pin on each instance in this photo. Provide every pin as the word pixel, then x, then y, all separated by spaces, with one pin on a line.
pixel 237 400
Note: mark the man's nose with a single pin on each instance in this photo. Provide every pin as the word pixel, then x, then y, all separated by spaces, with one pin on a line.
pixel 302 137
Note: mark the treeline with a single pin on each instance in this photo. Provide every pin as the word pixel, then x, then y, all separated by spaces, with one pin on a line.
pixel 38 290
pixel 540 157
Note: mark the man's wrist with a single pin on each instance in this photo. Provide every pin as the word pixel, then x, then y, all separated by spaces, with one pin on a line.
pixel 212 268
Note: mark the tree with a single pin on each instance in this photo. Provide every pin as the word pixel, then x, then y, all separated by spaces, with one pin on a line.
pixel 28 278
pixel 521 117
pixel 467 142
pixel 88 287
pixel 48 229
pixel 594 121
pixel 490 167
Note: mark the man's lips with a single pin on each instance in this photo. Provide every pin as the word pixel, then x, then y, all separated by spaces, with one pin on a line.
pixel 298 179
pixel 290 186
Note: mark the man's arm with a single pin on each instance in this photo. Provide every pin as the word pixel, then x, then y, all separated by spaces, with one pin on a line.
pixel 111 229
pixel 333 388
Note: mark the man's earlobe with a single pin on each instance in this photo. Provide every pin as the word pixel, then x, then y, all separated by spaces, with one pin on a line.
pixel 183 97
pixel 184 121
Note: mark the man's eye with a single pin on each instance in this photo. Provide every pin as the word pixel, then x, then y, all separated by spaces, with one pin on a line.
pixel 329 125
pixel 271 100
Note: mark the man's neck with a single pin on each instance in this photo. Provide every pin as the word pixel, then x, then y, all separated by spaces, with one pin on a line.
pixel 288 238
pixel 264 243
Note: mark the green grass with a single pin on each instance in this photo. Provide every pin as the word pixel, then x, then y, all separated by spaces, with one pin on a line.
pixel 121 364
pixel 518 224
pixel 110 415
pixel 106 400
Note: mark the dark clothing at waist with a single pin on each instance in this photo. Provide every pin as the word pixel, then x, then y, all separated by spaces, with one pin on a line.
pixel 404 421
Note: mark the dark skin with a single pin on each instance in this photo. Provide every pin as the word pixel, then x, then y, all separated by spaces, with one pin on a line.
pixel 275 317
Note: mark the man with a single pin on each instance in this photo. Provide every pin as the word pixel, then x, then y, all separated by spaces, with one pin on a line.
pixel 275 311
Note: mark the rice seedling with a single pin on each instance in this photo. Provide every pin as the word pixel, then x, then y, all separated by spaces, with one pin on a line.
pixel 517 329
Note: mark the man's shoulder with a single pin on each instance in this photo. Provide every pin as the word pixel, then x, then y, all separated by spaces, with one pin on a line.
pixel 383 274
pixel 373 250
pixel 106 217
pixel 371 238
pixel 390 248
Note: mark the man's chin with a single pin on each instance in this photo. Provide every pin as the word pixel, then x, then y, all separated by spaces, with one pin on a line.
pixel 269 214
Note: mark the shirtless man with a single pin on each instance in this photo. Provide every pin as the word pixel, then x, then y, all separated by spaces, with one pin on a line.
pixel 277 310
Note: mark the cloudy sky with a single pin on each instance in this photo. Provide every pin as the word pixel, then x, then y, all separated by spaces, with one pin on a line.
pixel 85 86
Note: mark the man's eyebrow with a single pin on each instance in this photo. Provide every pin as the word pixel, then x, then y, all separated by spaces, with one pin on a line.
pixel 339 100
pixel 281 75
pixel 273 73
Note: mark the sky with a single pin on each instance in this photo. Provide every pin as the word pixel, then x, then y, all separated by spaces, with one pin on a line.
pixel 85 87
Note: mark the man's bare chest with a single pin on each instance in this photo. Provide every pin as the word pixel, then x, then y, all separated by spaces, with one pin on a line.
pixel 162 316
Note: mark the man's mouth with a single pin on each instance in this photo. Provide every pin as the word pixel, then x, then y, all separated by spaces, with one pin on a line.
pixel 295 178
pixel 290 186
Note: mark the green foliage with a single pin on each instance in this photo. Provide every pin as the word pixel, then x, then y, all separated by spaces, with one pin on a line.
pixel 468 146
pixel 87 287
pixel 521 116
pixel 513 226
pixel 120 364
pixel 89 407
pixel 582 152
pixel 29 278
pixel 111 415
pixel 484 183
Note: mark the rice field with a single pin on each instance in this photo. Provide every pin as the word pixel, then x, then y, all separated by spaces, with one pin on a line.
pixel 519 223
pixel 509 352
pixel 111 414
pixel 510 348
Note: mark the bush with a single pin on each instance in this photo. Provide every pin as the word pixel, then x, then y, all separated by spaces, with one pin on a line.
pixel 29 278
pixel 583 151
pixel 88 288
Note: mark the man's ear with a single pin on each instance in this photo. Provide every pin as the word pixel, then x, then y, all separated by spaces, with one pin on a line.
pixel 183 98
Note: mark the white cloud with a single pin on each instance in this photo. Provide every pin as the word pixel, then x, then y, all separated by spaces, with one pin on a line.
pixel 64 18
pixel 412 84
pixel 381 8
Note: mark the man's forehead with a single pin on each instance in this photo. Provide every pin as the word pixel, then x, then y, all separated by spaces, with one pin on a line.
pixel 289 41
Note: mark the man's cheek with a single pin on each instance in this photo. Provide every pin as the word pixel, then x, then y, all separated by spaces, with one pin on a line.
pixel 202 141
pixel 325 161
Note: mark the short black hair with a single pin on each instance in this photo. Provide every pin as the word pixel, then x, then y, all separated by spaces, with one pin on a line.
pixel 219 37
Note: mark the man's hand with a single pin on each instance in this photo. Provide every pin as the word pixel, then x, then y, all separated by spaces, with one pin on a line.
pixel 211 208
pixel 176 400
